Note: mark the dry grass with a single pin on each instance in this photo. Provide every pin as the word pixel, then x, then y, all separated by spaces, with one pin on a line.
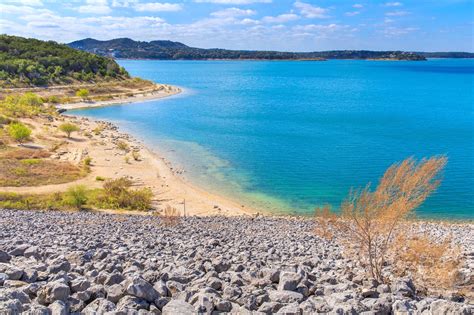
pixel 369 223
pixel 170 216
pixel 28 167
pixel 431 263
pixel 122 145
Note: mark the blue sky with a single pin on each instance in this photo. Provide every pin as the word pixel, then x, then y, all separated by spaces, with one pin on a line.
pixel 290 25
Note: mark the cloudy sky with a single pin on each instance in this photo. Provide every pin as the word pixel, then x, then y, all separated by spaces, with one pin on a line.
pixel 290 25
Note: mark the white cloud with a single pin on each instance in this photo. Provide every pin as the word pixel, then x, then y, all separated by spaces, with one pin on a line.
pixel 282 18
pixel 31 3
pixel 234 2
pixel 233 12
pixel 248 21
pixel 14 9
pixel 158 7
pixel 397 31
pixel 95 7
pixel 358 6
pixel 393 4
pixel 397 13
pixel 123 3
pixel 353 13
pixel 309 11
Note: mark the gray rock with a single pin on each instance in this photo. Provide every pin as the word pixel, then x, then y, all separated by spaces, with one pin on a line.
pixel 290 309
pixel 270 307
pixel 178 307
pixel 141 289
pixel 58 308
pixel 19 250
pixel 128 303
pixel 285 296
pixel 289 281
pixel 99 306
pixel 32 251
pixel 4 257
pixel 115 292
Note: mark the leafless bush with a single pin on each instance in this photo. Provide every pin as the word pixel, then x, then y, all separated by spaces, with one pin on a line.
pixel 170 216
pixel 369 222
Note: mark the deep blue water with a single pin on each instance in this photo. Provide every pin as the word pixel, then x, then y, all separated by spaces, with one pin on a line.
pixel 293 135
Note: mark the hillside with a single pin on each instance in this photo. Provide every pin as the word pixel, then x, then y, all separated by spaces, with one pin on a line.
pixel 168 50
pixel 26 62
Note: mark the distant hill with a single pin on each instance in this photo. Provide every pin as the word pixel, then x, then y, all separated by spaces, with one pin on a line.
pixel 31 62
pixel 168 50
pixel 448 54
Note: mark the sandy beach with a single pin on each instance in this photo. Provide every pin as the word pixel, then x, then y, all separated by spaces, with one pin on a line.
pixel 108 161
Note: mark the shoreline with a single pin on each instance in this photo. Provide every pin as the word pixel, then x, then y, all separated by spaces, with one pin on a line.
pixel 136 98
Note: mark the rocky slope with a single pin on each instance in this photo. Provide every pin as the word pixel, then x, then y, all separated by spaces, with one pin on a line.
pixel 59 263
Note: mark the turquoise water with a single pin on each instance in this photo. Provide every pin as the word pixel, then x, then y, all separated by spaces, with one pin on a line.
pixel 293 135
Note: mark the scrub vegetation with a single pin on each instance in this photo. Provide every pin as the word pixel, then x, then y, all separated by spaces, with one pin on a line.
pixel 372 226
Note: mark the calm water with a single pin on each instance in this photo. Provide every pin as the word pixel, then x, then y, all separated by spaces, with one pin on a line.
pixel 294 135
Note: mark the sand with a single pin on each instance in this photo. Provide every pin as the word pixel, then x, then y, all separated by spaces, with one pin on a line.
pixel 108 161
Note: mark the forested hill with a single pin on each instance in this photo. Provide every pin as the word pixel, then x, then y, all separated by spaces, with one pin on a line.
pixel 160 49
pixel 31 62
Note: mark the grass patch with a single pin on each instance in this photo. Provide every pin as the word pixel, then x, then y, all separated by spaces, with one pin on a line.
pixel 28 167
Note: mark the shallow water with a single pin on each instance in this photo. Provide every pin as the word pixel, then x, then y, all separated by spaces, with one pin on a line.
pixel 293 135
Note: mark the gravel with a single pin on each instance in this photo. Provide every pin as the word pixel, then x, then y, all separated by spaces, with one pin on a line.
pixel 94 263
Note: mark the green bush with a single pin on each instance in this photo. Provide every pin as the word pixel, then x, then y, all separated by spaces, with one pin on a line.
pixel 118 195
pixel 76 197
pixel 19 132
pixel 82 93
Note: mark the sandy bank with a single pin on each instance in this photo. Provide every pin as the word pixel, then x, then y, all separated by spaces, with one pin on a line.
pixel 165 91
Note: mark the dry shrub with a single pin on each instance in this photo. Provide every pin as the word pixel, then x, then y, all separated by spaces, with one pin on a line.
pixel 170 216
pixel 431 264
pixel 326 221
pixel 369 221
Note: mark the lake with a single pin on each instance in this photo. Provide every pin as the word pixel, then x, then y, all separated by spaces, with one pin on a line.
pixel 289 136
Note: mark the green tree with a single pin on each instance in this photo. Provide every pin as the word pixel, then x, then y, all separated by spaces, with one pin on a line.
pixel 68 128
pixel 19 132
pixel 82 93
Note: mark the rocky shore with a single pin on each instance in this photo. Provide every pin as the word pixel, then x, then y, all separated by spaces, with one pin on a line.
pixel 95 263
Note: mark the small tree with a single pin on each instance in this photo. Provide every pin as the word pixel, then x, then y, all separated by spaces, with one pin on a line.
pixel 82 93
pixel 19 132
pixel 68 128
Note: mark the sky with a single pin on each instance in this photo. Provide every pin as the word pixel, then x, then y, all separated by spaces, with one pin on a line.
pixel 286 25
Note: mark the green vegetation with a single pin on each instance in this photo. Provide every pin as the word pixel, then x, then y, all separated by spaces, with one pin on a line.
pixel 76 197
pixel 82 93
pixel 32 62
pixel 68 128
pixel 25 105
pixel 19 132
pixel 116 194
